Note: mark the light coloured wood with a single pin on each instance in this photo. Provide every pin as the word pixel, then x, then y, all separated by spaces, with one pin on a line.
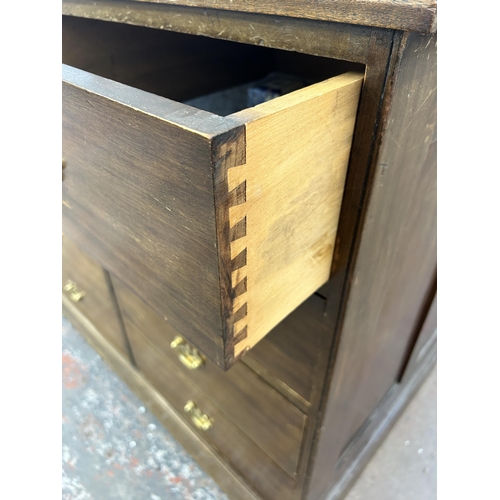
pixel 297 151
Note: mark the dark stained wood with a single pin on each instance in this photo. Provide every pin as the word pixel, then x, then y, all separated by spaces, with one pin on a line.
pixel 227 153
pixel 258 410
pixel 365 144
pixel 227 436
pixel 426 340
pixel 290 352
pixel 97 303
pixel 379 63
pixel 371 435
pixel 202 451
pixel 395 260
pixel 285 359
pixel 408 15
pixel 173 65
pixel 340 449
pixel 335 40
pixel 111 289
pixel 209 457
pixel 138 197
pixel 314 68
pixel 224 139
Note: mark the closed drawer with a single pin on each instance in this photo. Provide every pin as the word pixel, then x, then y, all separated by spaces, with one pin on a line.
pixel 286 357
pixel 85 286
pixel 264 415
pixel 223 224
pixel 227 436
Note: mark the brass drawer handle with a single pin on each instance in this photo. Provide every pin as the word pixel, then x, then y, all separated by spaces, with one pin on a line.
pixel 74 293
pixel 188 356
pixel 200 420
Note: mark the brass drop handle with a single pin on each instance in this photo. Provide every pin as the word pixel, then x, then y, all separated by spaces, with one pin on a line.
pixel 74 293
pixel 199 419
pixel 188 356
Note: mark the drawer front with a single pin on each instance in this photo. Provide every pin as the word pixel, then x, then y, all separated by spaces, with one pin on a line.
pixel 224 225
pixel 138 195
pixel 288 354
pixel 265 416
pixel 244 455
pixel 84 284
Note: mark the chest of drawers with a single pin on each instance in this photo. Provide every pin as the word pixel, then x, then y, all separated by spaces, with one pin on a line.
pixel 262 274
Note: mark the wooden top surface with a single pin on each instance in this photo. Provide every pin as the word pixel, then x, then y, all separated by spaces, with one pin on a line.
pixel 407 15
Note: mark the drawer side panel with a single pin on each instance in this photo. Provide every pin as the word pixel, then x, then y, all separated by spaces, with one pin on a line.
pixel 284 220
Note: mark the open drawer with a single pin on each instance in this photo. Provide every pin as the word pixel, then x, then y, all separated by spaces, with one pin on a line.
pixel 222 224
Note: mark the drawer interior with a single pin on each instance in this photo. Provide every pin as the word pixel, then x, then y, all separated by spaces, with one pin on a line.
pixel 218 76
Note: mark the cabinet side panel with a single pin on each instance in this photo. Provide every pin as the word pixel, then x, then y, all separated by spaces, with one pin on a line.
pixel 394 265
pixel 427 337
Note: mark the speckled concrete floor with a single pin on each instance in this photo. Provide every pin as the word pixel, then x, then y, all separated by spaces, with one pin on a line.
pixel 114 449
pixel 404 467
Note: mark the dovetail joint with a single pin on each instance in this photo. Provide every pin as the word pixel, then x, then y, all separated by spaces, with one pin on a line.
pixel 238 230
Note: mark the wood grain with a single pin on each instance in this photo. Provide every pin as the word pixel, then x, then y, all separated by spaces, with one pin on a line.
pixel 97 303
pixel 297 150
pixel 425 341
pixel 413 15
pixel 295 266
pixel 203 452
pixel 320 38
pixel 209 457
pixel 372 47
pixel 289 354
pixel 230 439
pixel 407 15
pixel 169 64
pixel 138 197
pixel 286 358
pixel 367 132
pixel 396 257
pixel 259 411
pixel 370 437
